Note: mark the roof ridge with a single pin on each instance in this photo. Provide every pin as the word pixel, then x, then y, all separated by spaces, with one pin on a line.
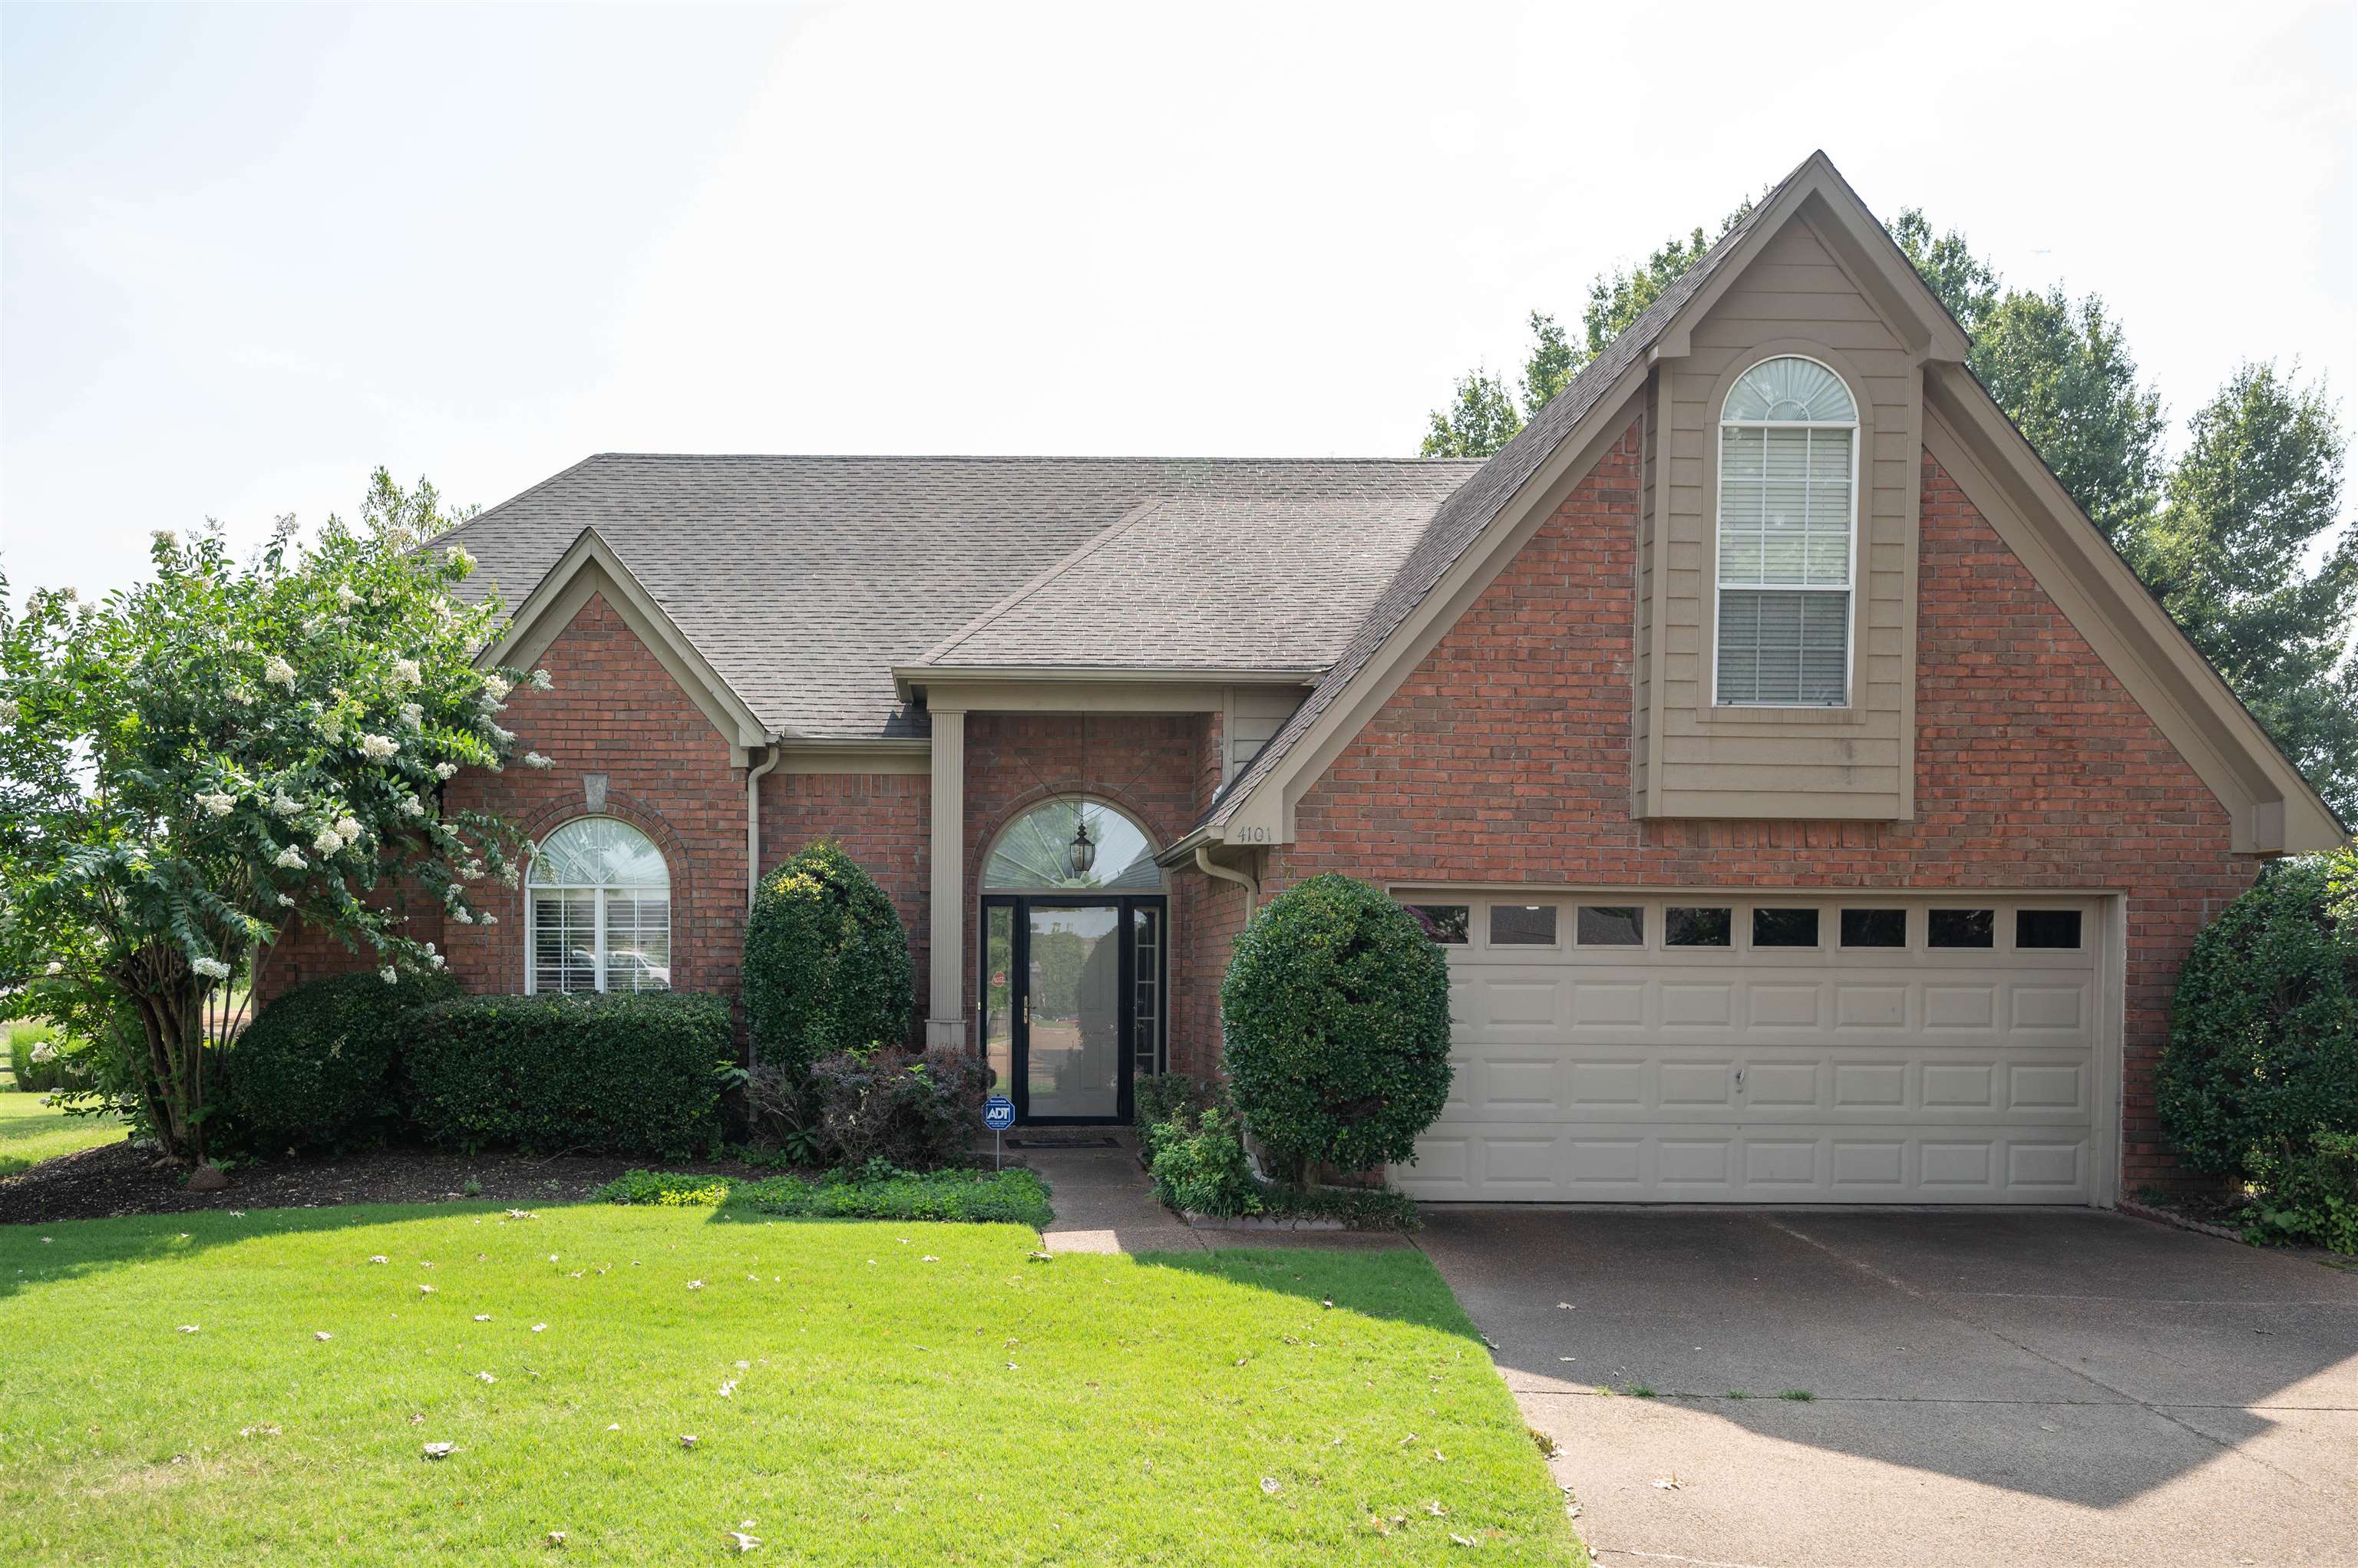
pixel 999 458
pixel 1119 525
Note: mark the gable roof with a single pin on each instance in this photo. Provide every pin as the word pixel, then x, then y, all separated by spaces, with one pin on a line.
pixel 2273 804
pixel 803 581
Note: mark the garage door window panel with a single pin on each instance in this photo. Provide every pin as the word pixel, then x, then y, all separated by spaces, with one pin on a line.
pixel 1698 925
pixel 1522 926
pixel 1947 928
pixel 1874 928
pixel 1610 925
pixel 2047 928
pixel 1784 926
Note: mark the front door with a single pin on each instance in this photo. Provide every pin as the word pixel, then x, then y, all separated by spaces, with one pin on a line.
pixel 1071 1006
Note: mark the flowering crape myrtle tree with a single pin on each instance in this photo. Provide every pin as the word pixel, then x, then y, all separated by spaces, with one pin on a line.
pixel 189 767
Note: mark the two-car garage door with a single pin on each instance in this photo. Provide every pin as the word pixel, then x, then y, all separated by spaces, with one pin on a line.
pixel 1701 1048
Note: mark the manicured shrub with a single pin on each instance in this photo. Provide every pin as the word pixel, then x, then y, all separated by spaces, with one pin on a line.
pixel 2263 1049
pixel 1337 1011
pixel 1167 1097
pixel 986 1197
pixel 1200 1167
pixel 917 1110
pixel 315 1066
pixel 620 1073
pixel 826 962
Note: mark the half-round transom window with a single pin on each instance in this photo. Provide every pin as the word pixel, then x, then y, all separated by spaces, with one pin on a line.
pixel 598 911
pixel 1069 845
pixel 1788 492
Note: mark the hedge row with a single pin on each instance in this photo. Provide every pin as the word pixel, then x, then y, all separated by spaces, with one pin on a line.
pixel 618 1074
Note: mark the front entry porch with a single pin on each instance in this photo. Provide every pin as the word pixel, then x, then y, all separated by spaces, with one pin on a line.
pixel 1072 1011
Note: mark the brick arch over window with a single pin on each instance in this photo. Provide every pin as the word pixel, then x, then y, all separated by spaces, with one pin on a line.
pixel 685 911
pixel 1139 811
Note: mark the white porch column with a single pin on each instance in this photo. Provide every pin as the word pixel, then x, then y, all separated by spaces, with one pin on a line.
pixel 945 1013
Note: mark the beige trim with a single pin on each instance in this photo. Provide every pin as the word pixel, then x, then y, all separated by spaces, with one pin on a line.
pixel 1211 867
pixel 590 566
pixel 2272 807
pixel 855 757
pixel 946 866
pixel 753 777
pixel 1192 693
pixel 1265 815
pixel 1658 530
pixel 1055 687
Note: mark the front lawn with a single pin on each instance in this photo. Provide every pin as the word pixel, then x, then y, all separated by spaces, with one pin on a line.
pixel 31 1131
pixel 890 1392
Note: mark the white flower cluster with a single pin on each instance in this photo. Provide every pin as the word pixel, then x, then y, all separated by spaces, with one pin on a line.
pixel 508 873
pixel 347 828
pixel 285 804
pixel 406 672
pixel 495 690
pixel 217 803
pixel 535 760
pixel 458 913
pixel 540 681
pixel 55 968
pixel 345 596
pixel 472 871
pixel 290 859
pixel 433 959
pixel 331 728
pixel 388 974
pixel 412 806
pixel 504 737
pixel 445 770
pixel 378 748
pixel 285 903
pixel 278 671
pixel 411 716
pixel 9 711
pixel 460 559
pixel 210 968
pixel 326 842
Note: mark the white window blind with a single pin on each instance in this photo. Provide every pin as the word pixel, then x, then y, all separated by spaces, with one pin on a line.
pixel 598 908
pixel 1788 486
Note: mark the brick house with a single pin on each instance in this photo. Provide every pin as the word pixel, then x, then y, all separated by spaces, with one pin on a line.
pixel 1811 805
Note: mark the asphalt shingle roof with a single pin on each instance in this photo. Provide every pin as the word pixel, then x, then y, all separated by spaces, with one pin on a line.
pixel 805 580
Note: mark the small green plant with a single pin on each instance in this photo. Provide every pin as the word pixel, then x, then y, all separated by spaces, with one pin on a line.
pixel 1639 1391
pixel 1168 1097
pixel 1203 1169
pixel 2312 1196
pixel 1543 1442
pixel 472 1188
pixel 1799 1396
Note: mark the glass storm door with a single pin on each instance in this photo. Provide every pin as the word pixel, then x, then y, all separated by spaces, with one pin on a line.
pixel 1071 1005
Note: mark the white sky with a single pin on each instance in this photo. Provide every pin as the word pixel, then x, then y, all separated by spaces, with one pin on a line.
pixel 247 252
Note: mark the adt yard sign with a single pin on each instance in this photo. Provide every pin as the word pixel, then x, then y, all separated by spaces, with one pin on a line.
pixel 998 1115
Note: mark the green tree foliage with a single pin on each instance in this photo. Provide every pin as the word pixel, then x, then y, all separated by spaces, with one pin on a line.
pixel 2251 556
pixel 1964 282
pixel 190 766
pixel 826 962
pixel 2063 372
pixel 1336 1009
pixel 2263 1049
pixel 1479 420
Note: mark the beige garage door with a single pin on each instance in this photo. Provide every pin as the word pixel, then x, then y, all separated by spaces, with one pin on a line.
pixel 1701 1048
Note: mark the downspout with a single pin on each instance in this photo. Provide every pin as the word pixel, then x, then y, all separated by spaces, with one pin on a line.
pixel 753 825
pixel 1251 885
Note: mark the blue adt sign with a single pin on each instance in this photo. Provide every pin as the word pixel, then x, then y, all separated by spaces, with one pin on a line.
pixel 999 1113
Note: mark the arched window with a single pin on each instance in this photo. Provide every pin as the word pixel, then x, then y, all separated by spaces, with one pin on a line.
pixel 1787 515
pixel 1069 844
pixel 597 911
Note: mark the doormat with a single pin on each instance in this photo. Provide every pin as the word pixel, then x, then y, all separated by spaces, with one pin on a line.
pixel 1075 1141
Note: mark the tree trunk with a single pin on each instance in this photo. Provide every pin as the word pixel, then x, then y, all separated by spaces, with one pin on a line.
pixel 171 1077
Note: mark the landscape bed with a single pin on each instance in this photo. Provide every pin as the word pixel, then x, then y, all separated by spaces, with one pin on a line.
pixel 227 1387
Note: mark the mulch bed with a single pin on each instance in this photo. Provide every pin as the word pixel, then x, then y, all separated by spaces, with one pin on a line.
pixel 116 1179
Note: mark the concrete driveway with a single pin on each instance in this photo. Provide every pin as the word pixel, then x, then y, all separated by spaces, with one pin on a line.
pixel 2025 1388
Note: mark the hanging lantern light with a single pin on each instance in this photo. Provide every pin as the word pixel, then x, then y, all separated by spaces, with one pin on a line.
pixel 1082 853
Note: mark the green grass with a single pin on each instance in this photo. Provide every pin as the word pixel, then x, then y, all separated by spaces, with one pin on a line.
pixel 31 1132
pixel 876 1418
pixel 1799 1396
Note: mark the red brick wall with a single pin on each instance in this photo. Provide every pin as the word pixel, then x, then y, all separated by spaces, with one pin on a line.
pixel 882 821
pixel 1505 757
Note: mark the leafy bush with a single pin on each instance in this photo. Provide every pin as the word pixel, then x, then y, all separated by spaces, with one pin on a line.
pixel 1011 1197
pixel 315 1067
pixel 780 1117
pixel 2264 1032
pixel 42 1057
pixel 1200 1167
pixel 1337 1010
pixel 2312 1195
pixel 1166 1097
pixel 826 962
pixel 917 1110
pixel 625 1074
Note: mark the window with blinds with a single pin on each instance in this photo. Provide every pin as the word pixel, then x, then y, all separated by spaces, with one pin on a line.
pixel 598 911
pixel 1788 507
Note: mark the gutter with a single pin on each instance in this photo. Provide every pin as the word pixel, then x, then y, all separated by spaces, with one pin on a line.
pixel 753 824
pixel 1205 864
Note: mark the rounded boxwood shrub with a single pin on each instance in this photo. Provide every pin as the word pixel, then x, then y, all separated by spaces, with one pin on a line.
pixel 826 962
pixel 1337 1010
pixel 2263 1048
pixel 315 1065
